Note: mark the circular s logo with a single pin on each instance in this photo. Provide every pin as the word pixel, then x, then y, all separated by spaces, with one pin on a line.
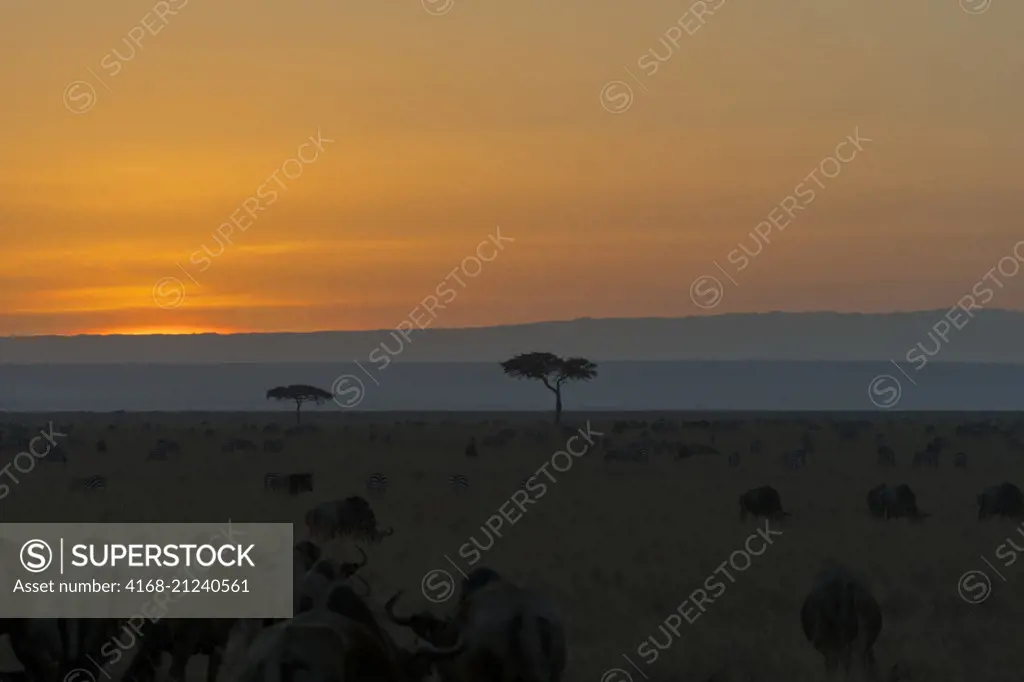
pixel 616 675
pixel 974 587
pixel 348 391
pixel 884 391
pixel 79 97
pixel 80 675
pixel 169 292
pixel 36 556
pixel 616 97
pixel 438 585
pixel 706 292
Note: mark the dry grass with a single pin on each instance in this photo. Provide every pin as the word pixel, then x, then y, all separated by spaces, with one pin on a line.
pixel 617 545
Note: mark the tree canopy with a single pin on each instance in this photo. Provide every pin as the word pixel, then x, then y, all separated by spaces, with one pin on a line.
pixel 300 393
pixel 551 370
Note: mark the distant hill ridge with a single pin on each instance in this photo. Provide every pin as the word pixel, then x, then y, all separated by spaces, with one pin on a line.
pixel 995 336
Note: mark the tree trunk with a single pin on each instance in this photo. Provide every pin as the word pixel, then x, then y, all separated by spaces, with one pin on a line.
pixel 558 406
pixel 298 412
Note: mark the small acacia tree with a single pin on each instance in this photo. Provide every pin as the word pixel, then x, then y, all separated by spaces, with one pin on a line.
pixel 300 393
pixel 550 370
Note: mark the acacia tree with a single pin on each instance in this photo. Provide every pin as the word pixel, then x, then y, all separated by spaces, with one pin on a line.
pixel 300 393
pixel 550 370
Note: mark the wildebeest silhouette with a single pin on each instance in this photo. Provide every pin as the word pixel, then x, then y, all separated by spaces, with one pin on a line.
pixel 763 501
pixel 1004 499
pixel 894 502
pixel 841 619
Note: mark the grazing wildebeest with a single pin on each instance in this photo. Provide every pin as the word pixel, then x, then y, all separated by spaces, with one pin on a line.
pixel 300 483
pixel 305 554
pixel 510 634
pixel 313 586
pixel 1003 500
pixel 897 502
pixel 840 618
pixel 960 460
pixel 734 459
pixel 471 448
pixel 351 516
pixel 763 501
pixel 101 446
pixel 329 644
pixel 886 455
pixel 36 644
pixel 82 640
pixel 876 501
pixel 182 638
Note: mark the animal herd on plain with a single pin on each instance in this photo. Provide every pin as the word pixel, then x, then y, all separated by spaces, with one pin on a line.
pixel 498 631
pixel 893 502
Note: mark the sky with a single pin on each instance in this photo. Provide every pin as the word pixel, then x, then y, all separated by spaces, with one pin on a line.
pixel 623 151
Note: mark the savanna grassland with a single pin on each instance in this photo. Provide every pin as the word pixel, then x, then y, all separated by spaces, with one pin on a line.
pixel 618 545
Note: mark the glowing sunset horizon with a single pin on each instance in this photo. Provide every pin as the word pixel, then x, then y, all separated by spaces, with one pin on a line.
pixel 182 167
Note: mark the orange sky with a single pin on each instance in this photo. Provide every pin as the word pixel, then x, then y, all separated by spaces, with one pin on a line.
pixel 446 127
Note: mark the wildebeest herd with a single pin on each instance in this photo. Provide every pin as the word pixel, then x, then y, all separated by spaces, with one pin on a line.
pixel 585 570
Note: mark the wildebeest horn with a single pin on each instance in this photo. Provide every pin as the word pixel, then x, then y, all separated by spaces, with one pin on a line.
pixel 350 568
pixel 389 608
pixel 365 584
pixel 433 653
